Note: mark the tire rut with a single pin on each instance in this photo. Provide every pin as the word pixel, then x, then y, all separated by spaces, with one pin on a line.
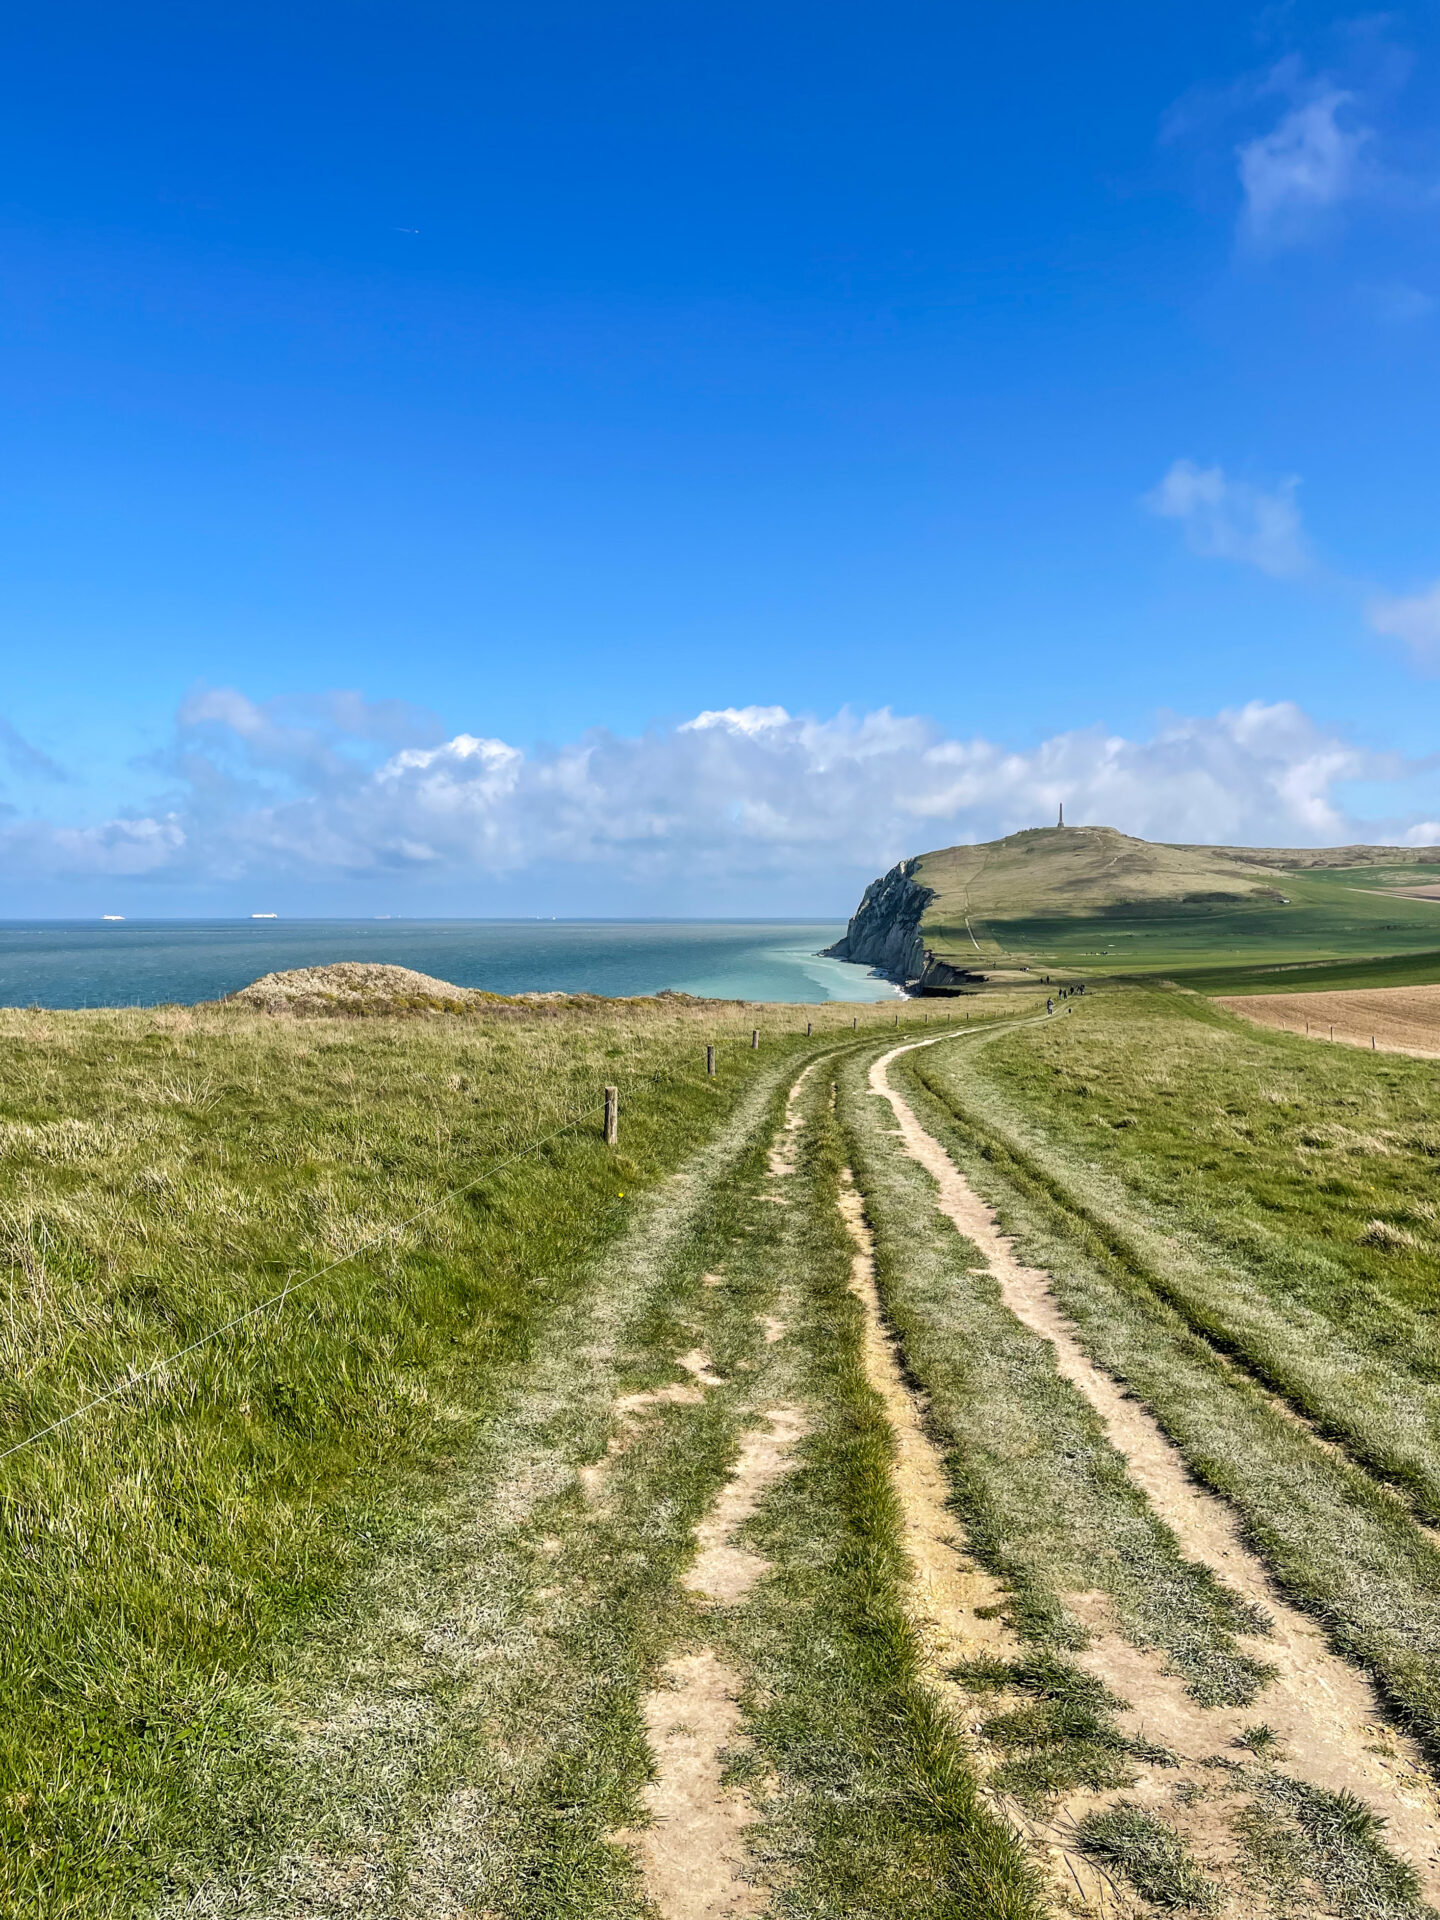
pixel 954 1605
pixel 692 1855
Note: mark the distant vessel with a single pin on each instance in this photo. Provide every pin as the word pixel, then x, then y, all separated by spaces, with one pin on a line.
pixel 112 916
pixel 264 916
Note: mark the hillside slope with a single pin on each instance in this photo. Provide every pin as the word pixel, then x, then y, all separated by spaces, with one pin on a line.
pixel 1092 899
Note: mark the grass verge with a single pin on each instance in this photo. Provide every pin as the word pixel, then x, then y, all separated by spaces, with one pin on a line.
pixel 1279 1202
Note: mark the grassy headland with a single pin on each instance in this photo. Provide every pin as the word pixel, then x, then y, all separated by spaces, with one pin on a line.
pixel 1093 901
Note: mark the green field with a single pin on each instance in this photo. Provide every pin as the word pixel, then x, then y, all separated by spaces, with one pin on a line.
pixel 376 1603
pixel 1418 969
pixel 1090 902
pixel 1327 919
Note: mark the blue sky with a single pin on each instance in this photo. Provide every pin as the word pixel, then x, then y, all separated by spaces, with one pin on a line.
pixel 413 420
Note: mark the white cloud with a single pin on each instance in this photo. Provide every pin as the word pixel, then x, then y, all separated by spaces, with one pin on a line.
pixel 746 720
pixel 493 756
pixel 1300 170
pixel 122 848
pixel 1307 148
pixel 728 808
pixel 1231 520
pixel 1412 619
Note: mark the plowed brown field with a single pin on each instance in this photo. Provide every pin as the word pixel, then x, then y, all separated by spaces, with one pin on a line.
pixel 1397 1019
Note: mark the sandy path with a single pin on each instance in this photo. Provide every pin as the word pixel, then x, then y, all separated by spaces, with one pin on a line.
pixel 1397 1019
pixel 947 1587
pixel 693 1854
pixel 721 1570
pixel 1325 1711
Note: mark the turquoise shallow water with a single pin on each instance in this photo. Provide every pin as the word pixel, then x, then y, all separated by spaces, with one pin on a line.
pixel 75 963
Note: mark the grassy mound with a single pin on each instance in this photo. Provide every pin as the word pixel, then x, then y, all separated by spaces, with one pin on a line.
pixel 356 987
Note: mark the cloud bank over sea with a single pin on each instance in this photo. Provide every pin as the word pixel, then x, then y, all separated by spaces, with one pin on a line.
pixel 736 809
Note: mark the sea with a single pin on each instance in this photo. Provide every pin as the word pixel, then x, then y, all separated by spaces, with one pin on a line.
pixel 126 963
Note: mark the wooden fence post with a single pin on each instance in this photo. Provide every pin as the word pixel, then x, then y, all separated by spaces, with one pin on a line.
pixel 855 1022
pixel 710 1061
pixel 809 1028
pixel 612 1116
pixel 755 1039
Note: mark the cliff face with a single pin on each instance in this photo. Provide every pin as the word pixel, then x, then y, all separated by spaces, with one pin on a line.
pixel 884 930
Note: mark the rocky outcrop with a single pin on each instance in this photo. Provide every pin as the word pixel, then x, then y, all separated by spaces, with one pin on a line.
pixel 884 931
pixel 940 976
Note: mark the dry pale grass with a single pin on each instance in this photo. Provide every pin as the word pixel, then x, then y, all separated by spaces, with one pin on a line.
pixel 1397 1019
pixel 352 986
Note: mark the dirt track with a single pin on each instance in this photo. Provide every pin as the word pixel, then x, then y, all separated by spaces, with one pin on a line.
pixel 1400 1019
pixel 1326 1708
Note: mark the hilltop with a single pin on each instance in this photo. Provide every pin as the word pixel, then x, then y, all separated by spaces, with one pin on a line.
pixel 1091 899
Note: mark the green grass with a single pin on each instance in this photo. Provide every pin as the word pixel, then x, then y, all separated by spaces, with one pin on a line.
pixel 1152 1857
pixel 1064 1736
pixel 1342 1847
pixel 318 1613
pixel 472 1736
pixel 162 1558
pixel 1045 1509
pixel 1315 976
pixel 1203 1220
pixel 1326 919
pixel 482 1744
pixel 877 1811
pixel 1276 1195
pixel 322 1619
